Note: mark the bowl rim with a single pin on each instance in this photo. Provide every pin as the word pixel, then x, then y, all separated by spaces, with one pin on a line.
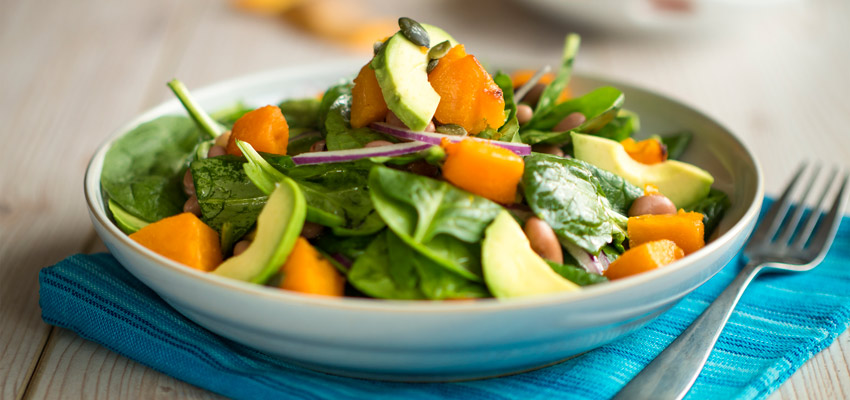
pixel 93 192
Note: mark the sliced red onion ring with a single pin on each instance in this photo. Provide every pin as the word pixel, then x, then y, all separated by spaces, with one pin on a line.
pixel 322 157
pixel 521 149
pixel 591 263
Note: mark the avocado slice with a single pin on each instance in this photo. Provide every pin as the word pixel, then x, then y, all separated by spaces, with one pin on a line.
pixel 400 67
pixel 128 223
pixel 682 183
pixel 278 226
pixel 511 268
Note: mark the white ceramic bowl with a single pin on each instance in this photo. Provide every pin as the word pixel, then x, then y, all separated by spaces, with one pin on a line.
pixel 433 341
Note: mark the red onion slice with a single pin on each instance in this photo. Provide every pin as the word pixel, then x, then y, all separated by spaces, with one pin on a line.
pixel 591 263
pixel 521 149
pixel 322 157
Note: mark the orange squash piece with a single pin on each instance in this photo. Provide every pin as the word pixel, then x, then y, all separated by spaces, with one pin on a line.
pixel 468 95
pixel 520 77
pixel 367 100
pixel 183 238
pixel 649 151
pixel 307 271
pixel 684 228
pixel 484 169
pixel 645 257
pixel 264 128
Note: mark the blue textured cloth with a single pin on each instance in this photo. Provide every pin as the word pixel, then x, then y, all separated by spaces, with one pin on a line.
pixel 781 321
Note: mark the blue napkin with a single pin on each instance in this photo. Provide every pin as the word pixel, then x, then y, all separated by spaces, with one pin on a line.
pixel 781 321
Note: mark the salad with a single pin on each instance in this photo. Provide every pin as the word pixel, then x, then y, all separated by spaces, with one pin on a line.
pixel 424 177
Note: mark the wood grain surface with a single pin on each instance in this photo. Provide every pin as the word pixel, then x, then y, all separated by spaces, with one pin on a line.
pixel 73 71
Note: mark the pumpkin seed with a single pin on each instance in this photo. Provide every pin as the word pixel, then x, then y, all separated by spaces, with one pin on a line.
pixel 377 46
pixel 452 129
pixel 431 65
pixel 414 32
pixel 439 50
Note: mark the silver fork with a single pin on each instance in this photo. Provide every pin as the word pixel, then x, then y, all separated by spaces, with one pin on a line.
pixel 781 242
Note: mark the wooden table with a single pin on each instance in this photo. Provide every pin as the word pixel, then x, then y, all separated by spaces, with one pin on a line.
pixel 73 71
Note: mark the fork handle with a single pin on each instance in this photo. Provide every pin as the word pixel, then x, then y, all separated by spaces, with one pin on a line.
pixel 672 373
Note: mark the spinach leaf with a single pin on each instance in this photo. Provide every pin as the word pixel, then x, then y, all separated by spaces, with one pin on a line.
pixel 599 106
pixel 337 194
pixel 575 274
pixel 230 202
pixel 351 247
pixel 339 133
pixel 676 143
pixel 375 274
pixel 440 221
pixel 564 193
pixel 328 99
pixel 142 171
pixel 301 113
pixel 619 192
pixel 621 127
pixel 509 131
pixel 550 94
pixel 391 269
pixel 712 208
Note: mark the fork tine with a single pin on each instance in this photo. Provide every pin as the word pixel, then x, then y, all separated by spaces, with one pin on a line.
pixel 770 222
pixel 826 233
pixel 789 228
pixel 813 217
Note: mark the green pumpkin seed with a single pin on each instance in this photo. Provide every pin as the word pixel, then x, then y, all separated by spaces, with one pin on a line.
pixel 377 46
pixel 438 51
pixel 452 129
pixel 431 65
pixel 414 32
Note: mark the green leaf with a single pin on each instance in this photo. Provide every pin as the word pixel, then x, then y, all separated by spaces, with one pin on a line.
pixel 619 192
pixel 391 269
pixel 553 90
pixel 228 116
pixel 440 221
pixel 576 274
pixel 509 131
pixel 301 139
pixel 259 171
pixel 207 124
pixel 676 143
pixel 599 107
pixel 328 99
pixel 227 196
pixel 339 133
pixel 565 193
pixel 712 208
pixel 301 113
pixel 126 221
pixel 350 247
pixel 143 169
pixel 621 127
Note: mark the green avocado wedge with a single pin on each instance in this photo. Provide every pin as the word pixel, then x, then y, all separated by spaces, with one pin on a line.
pixel 278 226
pixel 511 268
pixel 400 67
pixel 128 223
pixel 684 184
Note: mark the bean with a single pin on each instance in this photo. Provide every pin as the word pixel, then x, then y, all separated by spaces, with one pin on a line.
pixel 524 113
pixel 548 149
pixel 654 204
pixel 188 183
pixel 543 240
pixel 533 95
pixel 192 205
pixel 216 151
pixel 378 143
pixel 222 139
pixel 570 122
pixel 240 247
pixel 311 230
pixel 318 146
pixel 393 120
pixel 431 127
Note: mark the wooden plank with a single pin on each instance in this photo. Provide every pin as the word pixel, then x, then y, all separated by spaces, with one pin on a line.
pixel 72 73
